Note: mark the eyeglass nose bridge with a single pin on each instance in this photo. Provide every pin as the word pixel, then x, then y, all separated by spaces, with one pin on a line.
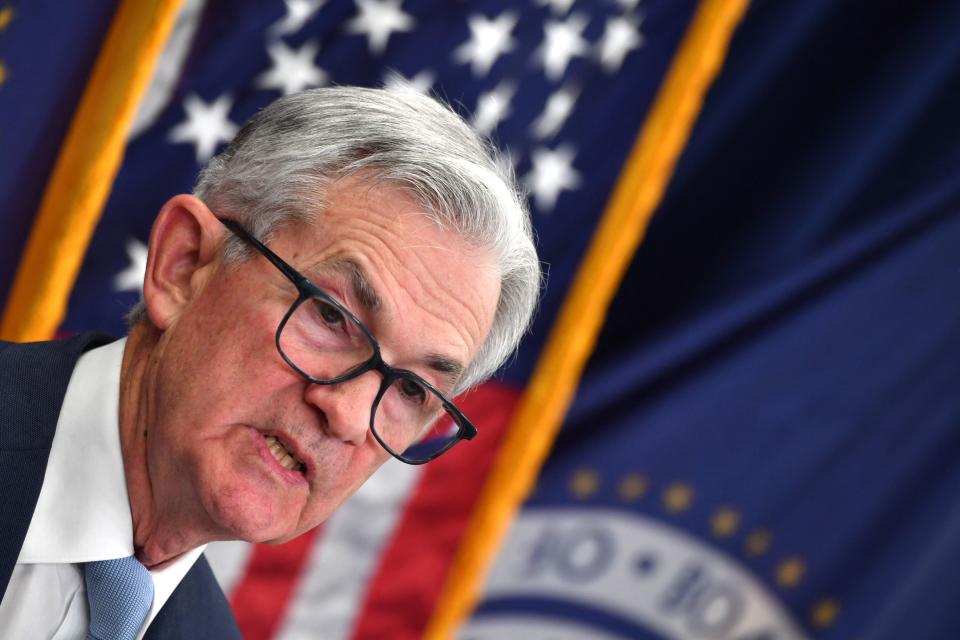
pixel 374 363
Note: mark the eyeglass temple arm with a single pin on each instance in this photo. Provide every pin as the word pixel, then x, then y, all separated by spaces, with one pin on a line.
pixel 245 235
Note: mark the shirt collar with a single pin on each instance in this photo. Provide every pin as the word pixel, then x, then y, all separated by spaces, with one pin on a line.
pixel 83 513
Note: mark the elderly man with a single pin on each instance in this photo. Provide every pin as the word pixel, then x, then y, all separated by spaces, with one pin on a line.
pixel 349 263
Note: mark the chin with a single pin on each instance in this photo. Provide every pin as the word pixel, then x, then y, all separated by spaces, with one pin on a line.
pixel 281 539
pixel 245 515
pixel 250 527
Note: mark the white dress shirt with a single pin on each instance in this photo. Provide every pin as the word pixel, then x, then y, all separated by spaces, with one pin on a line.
pixel 83 513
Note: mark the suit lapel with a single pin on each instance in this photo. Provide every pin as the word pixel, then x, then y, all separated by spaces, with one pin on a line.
pixel 33 382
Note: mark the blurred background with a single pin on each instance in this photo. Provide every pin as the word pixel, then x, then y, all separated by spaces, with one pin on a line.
pixel 736 415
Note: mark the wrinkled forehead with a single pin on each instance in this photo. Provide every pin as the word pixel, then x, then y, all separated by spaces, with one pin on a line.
pixel 359 203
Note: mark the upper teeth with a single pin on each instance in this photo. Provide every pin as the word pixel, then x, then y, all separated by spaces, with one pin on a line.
pixel 282 455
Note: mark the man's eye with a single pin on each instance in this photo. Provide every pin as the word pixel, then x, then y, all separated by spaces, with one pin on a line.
pixel 412 390
pixel 330 314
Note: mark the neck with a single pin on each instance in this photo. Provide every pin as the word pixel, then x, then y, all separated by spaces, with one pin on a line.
pixel 160 533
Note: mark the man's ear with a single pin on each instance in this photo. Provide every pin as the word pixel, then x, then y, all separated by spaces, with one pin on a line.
pixel 184 245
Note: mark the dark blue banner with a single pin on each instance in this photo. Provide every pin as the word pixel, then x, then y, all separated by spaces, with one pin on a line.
pixel 766 442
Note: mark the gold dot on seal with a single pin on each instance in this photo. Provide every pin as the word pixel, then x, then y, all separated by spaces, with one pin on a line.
pixel 632 487
pixel 677 497
pixel 584 483
pixel 725 522
pixel 824 613
pixel 757 542
pixel 3 73
pixel 6 15
pixel 790 571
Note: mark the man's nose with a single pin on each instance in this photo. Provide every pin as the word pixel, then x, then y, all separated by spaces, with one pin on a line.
pixel 346 406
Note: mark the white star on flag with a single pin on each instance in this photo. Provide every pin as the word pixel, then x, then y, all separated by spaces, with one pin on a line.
pixel 422 82
pixel 131 278
pixel 292 71
pixel 558 108
pixel 493 106
pixel 206 125
pixel 552 173
pixel 562 41
pixel 559 7
pixel 298 13
pixel 620 37
pixel 378 19
pixel 489 39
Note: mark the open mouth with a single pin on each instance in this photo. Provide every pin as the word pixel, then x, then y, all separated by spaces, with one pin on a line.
pixel 284 456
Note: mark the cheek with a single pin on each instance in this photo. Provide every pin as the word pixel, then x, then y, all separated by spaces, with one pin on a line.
pixel 221 355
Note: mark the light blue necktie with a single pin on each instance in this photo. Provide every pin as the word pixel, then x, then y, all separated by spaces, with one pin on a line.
pixel 119 593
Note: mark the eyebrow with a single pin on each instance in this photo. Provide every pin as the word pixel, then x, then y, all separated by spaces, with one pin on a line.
pixel 359 283
pixel 450 368
pixel 371 302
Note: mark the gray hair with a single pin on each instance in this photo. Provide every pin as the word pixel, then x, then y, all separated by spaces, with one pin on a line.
pixel 276 171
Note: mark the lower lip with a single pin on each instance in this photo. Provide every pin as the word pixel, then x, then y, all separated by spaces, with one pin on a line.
pixel 292 477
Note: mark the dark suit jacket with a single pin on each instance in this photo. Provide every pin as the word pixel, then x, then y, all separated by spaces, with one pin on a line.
pixel 33 382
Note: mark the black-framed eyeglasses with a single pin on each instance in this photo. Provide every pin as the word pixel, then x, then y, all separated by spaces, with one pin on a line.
pixel 326 344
